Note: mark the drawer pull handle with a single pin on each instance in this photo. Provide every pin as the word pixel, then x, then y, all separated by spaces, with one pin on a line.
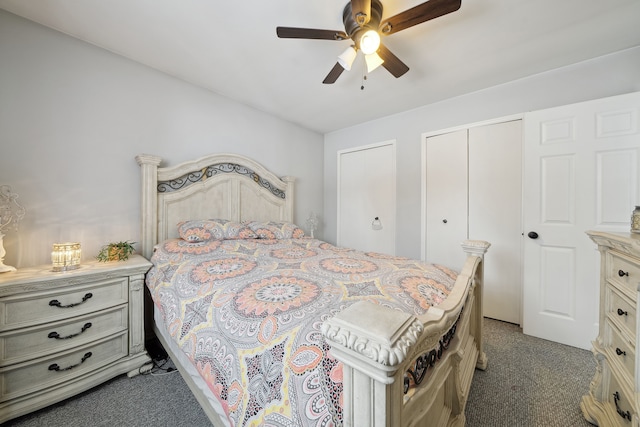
pixel 56 303
pixel 622 273
pixel 55 367
pixel 624 414
pixel 58 337
pixel 622 312
pixel 620 352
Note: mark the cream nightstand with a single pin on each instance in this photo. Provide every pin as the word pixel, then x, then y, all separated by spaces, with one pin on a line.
pixel 63 333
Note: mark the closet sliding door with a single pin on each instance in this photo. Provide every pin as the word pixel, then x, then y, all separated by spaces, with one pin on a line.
pixel 495 213
pixel 367 198
pixel 446 207
pixel 474 191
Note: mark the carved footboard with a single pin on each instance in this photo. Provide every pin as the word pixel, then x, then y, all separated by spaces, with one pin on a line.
pixel 401 370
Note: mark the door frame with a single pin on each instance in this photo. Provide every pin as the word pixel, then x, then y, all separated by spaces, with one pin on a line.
pixel 392 143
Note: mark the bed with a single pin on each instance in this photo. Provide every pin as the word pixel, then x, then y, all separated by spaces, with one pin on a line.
pixel 271 327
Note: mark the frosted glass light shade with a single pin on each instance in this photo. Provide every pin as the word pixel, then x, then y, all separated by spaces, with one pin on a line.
pixel 347 57
pixel 373 61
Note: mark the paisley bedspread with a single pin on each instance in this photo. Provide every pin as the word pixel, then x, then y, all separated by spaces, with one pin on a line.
pixel 247 313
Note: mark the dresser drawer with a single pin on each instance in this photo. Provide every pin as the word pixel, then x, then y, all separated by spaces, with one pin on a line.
pixel 620 310
pixel 31 343
pixel 624 270
pixel 620 351
pixel 29 377
pixel 620 403
pixel 62 303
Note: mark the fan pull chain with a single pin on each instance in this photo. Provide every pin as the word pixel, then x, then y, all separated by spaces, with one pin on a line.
pixel 364 76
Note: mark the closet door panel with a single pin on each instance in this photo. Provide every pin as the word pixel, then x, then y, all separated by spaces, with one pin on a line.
pixel 495 213
pixel 446 198
pixel 367 190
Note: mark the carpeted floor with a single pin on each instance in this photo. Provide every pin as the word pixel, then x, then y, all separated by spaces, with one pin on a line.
pixel 530 382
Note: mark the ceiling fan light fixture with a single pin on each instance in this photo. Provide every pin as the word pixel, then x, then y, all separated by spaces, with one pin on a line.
pixel 373 61
pixel 370 42
pixel 363 24
pixel 346 58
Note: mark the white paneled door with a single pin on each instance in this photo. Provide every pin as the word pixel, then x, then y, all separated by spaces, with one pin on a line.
pixel 367 198
pixel 580 173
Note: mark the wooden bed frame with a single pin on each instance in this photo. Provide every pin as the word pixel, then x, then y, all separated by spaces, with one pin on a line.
pixel 399 369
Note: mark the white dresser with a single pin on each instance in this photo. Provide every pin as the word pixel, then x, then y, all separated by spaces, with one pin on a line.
pixel 63 333
pixel 614 398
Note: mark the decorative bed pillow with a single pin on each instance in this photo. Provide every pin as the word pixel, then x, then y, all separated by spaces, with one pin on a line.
pixel 213 229
pixel 275 230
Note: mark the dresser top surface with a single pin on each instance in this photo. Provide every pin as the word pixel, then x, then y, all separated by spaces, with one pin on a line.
pixel 626 241
pixel 136 264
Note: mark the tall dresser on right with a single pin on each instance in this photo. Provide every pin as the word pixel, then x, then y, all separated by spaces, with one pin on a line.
pixel 614 392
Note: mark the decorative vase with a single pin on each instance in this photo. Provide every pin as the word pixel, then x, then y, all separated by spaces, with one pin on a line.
pixel 4 268
pixel 635 220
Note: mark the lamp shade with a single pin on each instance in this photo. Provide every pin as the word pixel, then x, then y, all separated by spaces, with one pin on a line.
pixel 347 57
pixel 373 61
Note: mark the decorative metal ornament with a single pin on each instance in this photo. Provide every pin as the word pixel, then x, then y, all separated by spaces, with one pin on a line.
pixel 11 212
pixel 416 375
pixel 219 168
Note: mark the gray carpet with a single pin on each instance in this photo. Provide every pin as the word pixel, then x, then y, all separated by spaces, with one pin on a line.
pixel 529 382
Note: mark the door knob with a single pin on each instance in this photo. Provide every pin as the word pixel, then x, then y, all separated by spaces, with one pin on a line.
pixel 532 235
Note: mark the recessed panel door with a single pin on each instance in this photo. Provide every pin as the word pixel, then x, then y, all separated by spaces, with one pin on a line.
pixel 581 173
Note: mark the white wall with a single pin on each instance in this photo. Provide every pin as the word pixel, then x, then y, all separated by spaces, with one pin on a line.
pixel 73 117
pixel 601 77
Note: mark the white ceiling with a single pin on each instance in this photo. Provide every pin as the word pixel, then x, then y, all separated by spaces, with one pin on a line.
pixel 231 48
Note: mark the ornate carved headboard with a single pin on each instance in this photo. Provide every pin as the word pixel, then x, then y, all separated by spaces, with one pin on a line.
pixel 226 186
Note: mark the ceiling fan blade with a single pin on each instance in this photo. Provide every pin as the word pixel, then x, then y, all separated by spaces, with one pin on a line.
pixel 391 62
pixel 310 33
pixel 333 74
pixel 361 11
pixel 419 14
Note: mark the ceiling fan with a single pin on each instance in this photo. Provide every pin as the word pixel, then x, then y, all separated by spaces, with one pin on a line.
pixel 363 24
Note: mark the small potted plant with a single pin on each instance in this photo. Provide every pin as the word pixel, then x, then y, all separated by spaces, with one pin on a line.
pixel 117 251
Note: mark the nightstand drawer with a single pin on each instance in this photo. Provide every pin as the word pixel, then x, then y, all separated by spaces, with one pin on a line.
pixel 620 309
pixel 620 351
pixel 31 343
pixel 43 307
pixel 624 270
pixel 30 377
